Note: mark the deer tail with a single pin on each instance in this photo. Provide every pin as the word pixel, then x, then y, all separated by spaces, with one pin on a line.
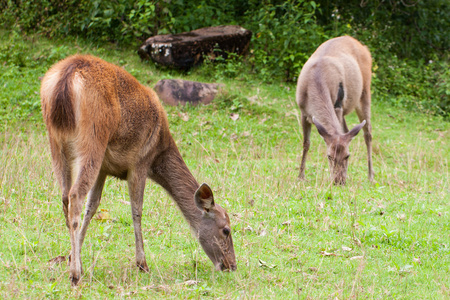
pixel 62 114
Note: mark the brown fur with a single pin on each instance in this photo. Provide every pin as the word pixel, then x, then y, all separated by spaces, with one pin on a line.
pixel 333 82
pixel 101 121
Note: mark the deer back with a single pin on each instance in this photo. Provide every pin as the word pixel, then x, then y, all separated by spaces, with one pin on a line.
pixel 333 77
pixel 85 98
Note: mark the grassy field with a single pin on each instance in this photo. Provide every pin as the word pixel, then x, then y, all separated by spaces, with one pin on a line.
pixel 305 240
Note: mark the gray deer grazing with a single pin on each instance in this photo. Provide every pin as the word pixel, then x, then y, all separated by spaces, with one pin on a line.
pixel 101 121
pixel 333 82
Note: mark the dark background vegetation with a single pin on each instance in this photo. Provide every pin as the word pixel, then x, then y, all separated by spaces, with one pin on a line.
pixel 409 39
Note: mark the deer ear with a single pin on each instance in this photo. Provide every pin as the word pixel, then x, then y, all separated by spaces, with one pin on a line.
pixel 355 130
pixel 322 131
pixel 204 198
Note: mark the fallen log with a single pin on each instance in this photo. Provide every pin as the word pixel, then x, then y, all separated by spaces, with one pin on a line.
pixel 187 49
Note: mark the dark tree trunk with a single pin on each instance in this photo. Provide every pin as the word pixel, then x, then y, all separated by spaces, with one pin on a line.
pixel 188 49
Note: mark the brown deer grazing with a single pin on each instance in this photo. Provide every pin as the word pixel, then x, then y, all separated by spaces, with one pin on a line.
pixel 333 82
pixel 101 121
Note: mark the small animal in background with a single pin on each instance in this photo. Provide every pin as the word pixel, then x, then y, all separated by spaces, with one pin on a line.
pixel 333 82
pixel 101 121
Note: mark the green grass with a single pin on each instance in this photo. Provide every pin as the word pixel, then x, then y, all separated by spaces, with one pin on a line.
pixel 306 240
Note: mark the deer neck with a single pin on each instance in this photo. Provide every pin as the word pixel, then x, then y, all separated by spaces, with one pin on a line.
pixel 329 116
pixel 171 172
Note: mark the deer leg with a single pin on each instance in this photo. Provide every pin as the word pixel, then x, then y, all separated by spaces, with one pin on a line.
pixel 136 186
pixel 306 126
pixel 65 184
pixel 63 173
pixel 363 113
pixel 89 170
pixel 344 125
pixel 368 139
pixel 93 201
pixel 340 115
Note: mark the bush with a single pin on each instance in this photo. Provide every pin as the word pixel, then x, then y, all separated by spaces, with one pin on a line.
pixel 408 39
pixel 409 29
pixel 285 35
pixel 122 21
pixel 421 85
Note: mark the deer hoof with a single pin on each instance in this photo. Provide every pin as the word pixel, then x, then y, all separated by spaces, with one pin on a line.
pixel 302 177
pixel 143 267
pixel 74 279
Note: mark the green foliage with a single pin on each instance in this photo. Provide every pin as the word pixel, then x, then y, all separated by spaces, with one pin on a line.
pixel 415 29
pixel 408 40
pixel 121 21
pixel 54 18
pixel 409 29
pixel 194 14
pixel 125 21
pixel 421 85
pixel 20 70
pixel 442 87
pixel 285 35
pixel 218 68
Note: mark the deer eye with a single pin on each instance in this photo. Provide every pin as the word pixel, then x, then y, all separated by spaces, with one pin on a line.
pixel 347 157
pixel 226 231
pixel 330 158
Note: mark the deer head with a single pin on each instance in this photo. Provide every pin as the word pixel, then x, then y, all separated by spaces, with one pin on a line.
pixel 338 150
pixel 214 232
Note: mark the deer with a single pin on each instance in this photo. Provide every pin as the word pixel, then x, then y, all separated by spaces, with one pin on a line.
pixel 102 122
pixel 335 81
